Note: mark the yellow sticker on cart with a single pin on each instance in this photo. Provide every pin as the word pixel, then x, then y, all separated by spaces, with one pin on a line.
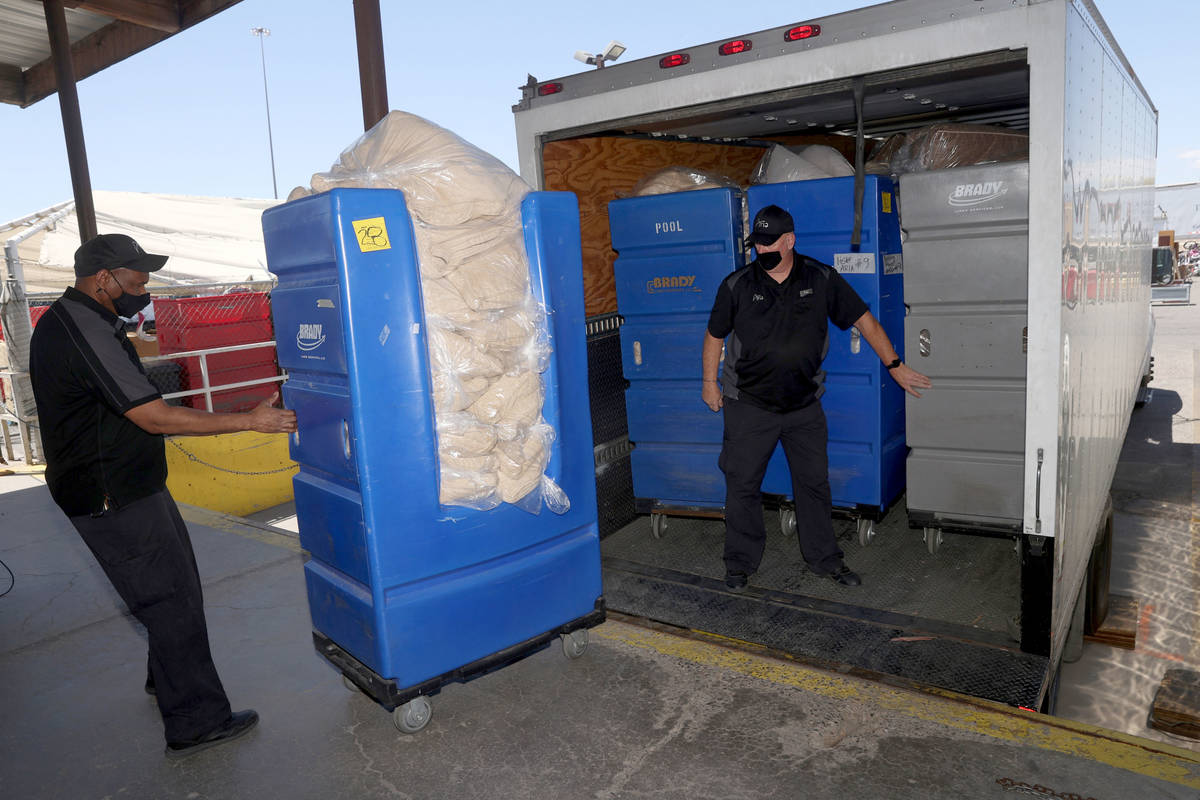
pixel 887 202
pixel 372 234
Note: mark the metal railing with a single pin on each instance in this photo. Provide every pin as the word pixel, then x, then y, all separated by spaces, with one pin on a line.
pixel 206 388
pixel 28 422
pixel 158 288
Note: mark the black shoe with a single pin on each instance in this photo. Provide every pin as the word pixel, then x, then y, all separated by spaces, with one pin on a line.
pixel 844 576
pixel 736 581
pixel 238 725
pixel 150 690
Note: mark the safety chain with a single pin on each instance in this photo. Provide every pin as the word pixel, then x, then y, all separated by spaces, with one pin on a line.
pixel 1037 790
pixel 192 457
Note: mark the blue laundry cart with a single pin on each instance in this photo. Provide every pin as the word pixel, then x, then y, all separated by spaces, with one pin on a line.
pixel 406 594
pixel 673 251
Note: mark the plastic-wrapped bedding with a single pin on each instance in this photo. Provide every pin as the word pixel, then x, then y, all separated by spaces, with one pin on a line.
pixel 782 164
pixel 949 145
pixel 486 335
pixel 679 179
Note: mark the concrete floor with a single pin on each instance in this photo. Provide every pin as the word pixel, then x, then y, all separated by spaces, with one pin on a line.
pixel 643 713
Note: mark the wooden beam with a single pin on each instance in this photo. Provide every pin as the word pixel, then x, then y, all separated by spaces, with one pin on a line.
pixel 110 44
pixel 105 47
pixel 12 85
pixel 193 11
pixel 161 15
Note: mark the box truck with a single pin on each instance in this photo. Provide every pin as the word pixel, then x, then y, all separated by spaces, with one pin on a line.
pixel 1034 323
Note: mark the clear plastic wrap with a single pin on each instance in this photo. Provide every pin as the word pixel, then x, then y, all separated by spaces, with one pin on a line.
pixel 446 180
pixel 454 393
pixel 487 337
pixel 445 307
pixel 782 164
pixel 680 179
pixel 503 332
pixel 954 145
pixel 880 162
pixel 494 280
pixel 511 403
pixel 470 487
pixel 458 355
pixel 462 435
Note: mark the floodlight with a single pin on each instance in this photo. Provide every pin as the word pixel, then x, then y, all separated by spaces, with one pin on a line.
pixel 613 51
pixel 610 53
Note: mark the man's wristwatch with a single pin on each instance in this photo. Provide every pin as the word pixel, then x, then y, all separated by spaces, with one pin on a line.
pixel 895 364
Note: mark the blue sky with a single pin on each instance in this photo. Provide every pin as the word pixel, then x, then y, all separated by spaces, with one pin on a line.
pixel 187 116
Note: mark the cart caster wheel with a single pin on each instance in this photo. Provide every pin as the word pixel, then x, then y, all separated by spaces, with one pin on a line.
pixel 575 643
pixel 866 531
pixel 413 715
pixel 658 525
pixel 787 521
pixel 349 684
pixel 933 540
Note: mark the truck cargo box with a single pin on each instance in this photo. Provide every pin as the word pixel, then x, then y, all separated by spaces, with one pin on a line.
pixel 1048 70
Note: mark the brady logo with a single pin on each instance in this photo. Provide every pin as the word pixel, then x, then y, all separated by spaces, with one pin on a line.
pixel 310 336
pixel 973 194
pixel 672 283
pixel 668 226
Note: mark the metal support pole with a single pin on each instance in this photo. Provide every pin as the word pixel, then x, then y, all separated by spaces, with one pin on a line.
pixel 262 33
pixel 372 75
pixel 207 386
pixel 68 100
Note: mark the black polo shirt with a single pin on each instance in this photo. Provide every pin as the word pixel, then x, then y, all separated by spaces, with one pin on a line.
pixel 778 332
pixel 85 376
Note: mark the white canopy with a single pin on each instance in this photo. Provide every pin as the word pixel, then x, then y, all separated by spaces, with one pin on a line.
pixel 209 239
pixel 1181 205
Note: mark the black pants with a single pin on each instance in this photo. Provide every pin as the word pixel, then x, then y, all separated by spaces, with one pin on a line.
pixel 145 551
pixel 751 434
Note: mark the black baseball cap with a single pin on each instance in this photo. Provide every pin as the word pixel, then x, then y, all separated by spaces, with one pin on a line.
pixel 113 251
pixel 769 224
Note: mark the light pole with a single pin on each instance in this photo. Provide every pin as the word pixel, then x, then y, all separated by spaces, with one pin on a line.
pixel 262 33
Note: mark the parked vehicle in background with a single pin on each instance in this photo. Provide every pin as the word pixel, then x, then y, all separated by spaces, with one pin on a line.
pixel 1163 271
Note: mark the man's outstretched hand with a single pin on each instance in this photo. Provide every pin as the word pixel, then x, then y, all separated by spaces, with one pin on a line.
pixel 910 380
pixel 265 418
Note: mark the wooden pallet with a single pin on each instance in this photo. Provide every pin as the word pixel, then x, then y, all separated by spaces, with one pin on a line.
pixel 1119 628
pixel 1176 707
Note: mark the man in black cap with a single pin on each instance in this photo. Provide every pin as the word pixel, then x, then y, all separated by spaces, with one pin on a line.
pixel 102 425
pixel 775 312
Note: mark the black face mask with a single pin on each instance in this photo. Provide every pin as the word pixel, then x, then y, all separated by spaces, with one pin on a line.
pixel 128 305
pixel 769 260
